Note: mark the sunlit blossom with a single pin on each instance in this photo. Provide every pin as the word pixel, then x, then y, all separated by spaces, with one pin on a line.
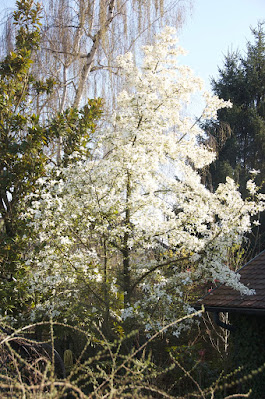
pixel 140 196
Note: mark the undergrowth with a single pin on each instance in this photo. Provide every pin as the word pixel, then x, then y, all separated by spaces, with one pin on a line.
pixel 33 370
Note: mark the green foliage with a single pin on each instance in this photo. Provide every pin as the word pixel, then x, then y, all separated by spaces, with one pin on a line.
pixel 25 142
pixel 239 135
pixel 74 127
pixel 242 80
pixel 22 140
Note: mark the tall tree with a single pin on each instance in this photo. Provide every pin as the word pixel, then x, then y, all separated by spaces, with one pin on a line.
pixel 242 80
pixel 81 39
pixel 239 134
pixel 134 223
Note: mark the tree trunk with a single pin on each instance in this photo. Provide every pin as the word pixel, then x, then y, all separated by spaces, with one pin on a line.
pixel 126 250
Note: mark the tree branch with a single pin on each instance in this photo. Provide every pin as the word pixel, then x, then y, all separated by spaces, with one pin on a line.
pixel 160 265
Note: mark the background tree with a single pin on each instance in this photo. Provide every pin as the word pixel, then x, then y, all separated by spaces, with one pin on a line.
pixel 24 138
pixel 239 134
pixel 81 39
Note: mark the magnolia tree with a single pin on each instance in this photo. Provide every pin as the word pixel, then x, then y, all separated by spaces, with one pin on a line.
pixel 128 232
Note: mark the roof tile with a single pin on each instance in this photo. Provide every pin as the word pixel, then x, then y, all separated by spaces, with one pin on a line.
pixel 253 276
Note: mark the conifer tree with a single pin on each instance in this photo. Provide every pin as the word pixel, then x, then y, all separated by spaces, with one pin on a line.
pixel 239 134
pixel 242 80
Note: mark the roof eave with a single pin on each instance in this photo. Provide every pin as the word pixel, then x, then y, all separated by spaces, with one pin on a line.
pixel 226 309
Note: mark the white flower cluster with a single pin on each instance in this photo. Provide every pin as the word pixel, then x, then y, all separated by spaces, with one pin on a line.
pixel 131 217
pixel 213 103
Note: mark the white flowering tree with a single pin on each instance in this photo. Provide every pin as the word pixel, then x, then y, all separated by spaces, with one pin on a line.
pixel 128 232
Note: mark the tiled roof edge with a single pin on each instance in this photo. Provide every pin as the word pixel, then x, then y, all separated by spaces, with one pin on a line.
pixel 220 285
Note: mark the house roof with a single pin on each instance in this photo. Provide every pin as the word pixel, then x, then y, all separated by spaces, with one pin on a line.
pixel 226 299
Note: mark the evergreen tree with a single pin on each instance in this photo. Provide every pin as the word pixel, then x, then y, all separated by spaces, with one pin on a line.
pixel 239 134
pixel 24 139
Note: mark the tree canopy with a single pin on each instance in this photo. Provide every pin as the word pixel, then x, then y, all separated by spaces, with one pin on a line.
pixel 132 228
pixel 25 137
pixel 239 134
pixel 79 41
pixel 242 81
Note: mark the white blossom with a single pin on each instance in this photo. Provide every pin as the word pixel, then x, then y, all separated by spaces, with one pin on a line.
pixel 139 196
